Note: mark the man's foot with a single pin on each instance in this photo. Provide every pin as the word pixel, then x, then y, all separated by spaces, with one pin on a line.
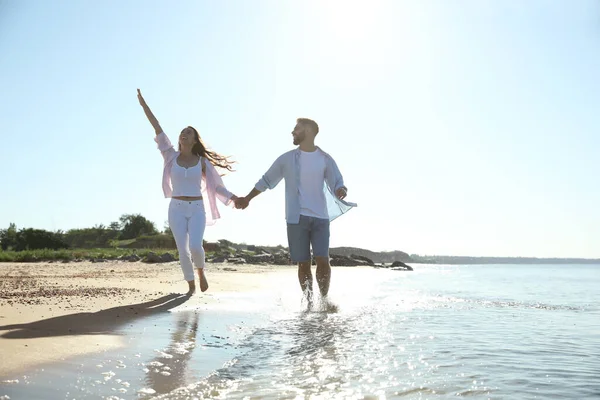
pixel 327 306
pixel 203 281
pixel 307 298
pixel 192 288
pixel 308 294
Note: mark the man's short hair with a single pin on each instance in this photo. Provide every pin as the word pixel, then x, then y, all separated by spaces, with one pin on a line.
pixel 310 123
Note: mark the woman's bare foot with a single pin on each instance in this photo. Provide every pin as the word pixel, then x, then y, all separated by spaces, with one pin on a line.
pixel 192 290
pixel 203 281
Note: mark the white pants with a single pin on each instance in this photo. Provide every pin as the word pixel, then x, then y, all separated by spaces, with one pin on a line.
pixel 187 220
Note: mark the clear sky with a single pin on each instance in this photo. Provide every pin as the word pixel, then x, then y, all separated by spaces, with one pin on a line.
pixel 461 128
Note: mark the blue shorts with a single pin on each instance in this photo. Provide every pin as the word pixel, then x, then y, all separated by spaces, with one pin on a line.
pixel 308 231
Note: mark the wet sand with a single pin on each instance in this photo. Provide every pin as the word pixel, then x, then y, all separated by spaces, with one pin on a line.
pixel 53 311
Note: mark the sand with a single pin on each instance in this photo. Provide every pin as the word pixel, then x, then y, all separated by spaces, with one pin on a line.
pixel 52 311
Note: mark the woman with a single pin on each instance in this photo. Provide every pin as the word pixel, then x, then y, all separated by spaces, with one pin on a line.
pixel 189 179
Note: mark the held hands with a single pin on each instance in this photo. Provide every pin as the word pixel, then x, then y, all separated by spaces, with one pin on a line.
pixel 241 203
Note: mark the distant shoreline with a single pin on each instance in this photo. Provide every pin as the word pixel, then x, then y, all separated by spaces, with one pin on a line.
pixel 227 249
pixel 133 237
pixel 560 262
pixel 460 260
pixel 391 256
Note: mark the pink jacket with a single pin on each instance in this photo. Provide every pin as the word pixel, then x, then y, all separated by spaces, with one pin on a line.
pixel 212 184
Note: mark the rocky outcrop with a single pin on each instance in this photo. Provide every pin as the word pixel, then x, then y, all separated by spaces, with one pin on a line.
pixel 211 247
pixel 400 266
pixel 344 261
pixel 131 258
pixel 378 257
pixel 153 258
pixel 246 257
pixel 225 254
pixel 396 266
pixel 236 260
pixel 362 258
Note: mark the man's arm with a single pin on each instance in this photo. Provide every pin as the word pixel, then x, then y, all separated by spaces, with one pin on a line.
pixel 243 202
pixel 335 180
pixel 149 115
pixel 268 181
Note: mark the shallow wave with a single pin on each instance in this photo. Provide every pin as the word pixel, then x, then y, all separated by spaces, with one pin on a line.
pixel 384 350
pixel 441 301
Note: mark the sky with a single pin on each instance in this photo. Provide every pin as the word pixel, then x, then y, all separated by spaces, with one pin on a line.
pixel 461 128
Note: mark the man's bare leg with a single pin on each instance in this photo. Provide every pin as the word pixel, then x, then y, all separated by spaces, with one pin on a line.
pixel 323 275
pixel 305 278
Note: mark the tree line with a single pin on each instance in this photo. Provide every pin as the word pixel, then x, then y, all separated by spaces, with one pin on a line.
pixel 129 226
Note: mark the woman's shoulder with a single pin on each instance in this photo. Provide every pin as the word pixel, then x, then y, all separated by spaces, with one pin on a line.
pixel 172 156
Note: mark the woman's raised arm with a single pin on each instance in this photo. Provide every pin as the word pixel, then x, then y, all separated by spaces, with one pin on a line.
pixel 151 117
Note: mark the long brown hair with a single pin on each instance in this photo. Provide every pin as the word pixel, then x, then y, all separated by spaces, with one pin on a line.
pixel 215 159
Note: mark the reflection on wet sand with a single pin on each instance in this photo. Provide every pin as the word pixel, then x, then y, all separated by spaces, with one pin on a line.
pixel 169 370
pixel 314 349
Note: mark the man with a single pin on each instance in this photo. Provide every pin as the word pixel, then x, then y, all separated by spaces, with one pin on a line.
pixel 314 193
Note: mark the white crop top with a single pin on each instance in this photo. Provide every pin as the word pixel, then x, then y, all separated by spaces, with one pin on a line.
pixel 186 181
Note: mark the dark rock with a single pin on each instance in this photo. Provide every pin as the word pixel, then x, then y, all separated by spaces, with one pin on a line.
pixel 167 257
pixel 282 258
pixel 236 260
pixel 219 259
pixel 367 260
pixel 152 258
pixel 211 246
pixel 337 260
pixel 131 258
pixel 341 261
pixel 257 250
pixel 400 266
pixel 226 243
pixel 260 258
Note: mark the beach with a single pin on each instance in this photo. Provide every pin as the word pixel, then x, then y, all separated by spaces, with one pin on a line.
pixel 60 310
pixel 123 331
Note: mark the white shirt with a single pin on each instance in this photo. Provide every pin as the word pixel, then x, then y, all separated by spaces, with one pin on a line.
pixel 186 181
pixel 310 189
